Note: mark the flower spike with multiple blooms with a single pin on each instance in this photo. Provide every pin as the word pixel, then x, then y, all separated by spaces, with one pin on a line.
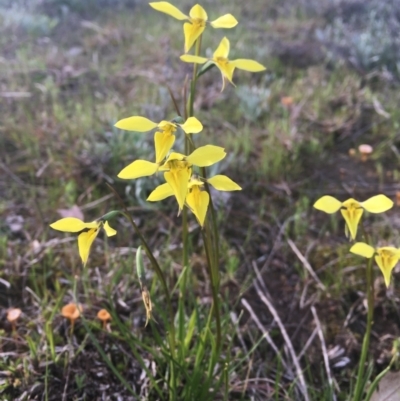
pixel 226 66
pixel 177 167
pixel 352 210
pixel 197 20
pixel 386 257
pixel 196 199
pixel 89 232
pixel 164 137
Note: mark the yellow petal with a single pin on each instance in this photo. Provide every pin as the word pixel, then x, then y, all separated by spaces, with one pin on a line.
pixel 161 192
pixel 72 225
pixel 248 65
pixel 109 230
pixel 192 33
pixel 174 156
pixel 188 58
pixel 352 218
pixel 139 168
pixel 328 204
pixel 362 249
pixel 192 126
pixel 163 143
pixel 85 241
pixel 198 202
pixel 198 12
pixel 223 183
pixel 351 203
pixel 169 9
pixel 207 155
pixel 227 70
pixel 390 249
pixel 195 181
pixel 222 50
pixel 136 123
pixel 377 204
pixel 226 21
pixel 386 261
pixel 178 180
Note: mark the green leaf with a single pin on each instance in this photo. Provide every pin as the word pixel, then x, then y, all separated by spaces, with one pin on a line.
pixel 140 265
pixel 205 67
pixel 389 388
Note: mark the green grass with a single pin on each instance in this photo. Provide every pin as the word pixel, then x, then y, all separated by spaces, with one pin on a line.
pixel 60 97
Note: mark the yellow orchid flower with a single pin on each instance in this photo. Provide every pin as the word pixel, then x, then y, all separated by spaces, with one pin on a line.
pixel 197 20
pixel 386 257
pixel 88 233
pixel 352 210
pixel 226 66
pixel 196 199
pixel 177 168
pixel 164 137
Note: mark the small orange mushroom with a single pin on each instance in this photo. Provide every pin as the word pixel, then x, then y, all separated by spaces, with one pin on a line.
pixel 287 101
pixel 104 316
pixel 72 312
pixel 13 315
pixel 365 151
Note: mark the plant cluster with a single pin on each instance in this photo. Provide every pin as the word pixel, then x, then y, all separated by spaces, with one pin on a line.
pixel 385 257
pixel 188 181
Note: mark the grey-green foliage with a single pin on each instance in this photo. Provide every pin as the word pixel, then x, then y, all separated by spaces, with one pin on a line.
pixel 25 18
pixel 369 37
pixel 253 100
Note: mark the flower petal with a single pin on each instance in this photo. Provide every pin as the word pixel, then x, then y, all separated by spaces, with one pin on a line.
pixel 198 12
pixel 352 218
pixel 198 202
pixel 362 249
pixel 136 123
pixel 163 143
pixel 72 225
pixel 248 65
pixel 178 180
pixel 328 204
pixel 167 8
pixel 192 126
pixel 85 241
pixel 226 21
pixel 227 70
pixel 161 192
pixel 188 58
pixel 223 183
pixel 109 230
pixel 207 155
pixel 174 156
pixel 222 50
pixel 139 168
pixel 192 33
pixel 386 263
pixel 377 204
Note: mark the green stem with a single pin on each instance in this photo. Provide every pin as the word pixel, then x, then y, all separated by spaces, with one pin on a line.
pixel 359 389
pixel 159 273
pixel 214 280
pixel 210 235
pixel 171 334
pixel 194 79
pixel 378 378
pixel 156 268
